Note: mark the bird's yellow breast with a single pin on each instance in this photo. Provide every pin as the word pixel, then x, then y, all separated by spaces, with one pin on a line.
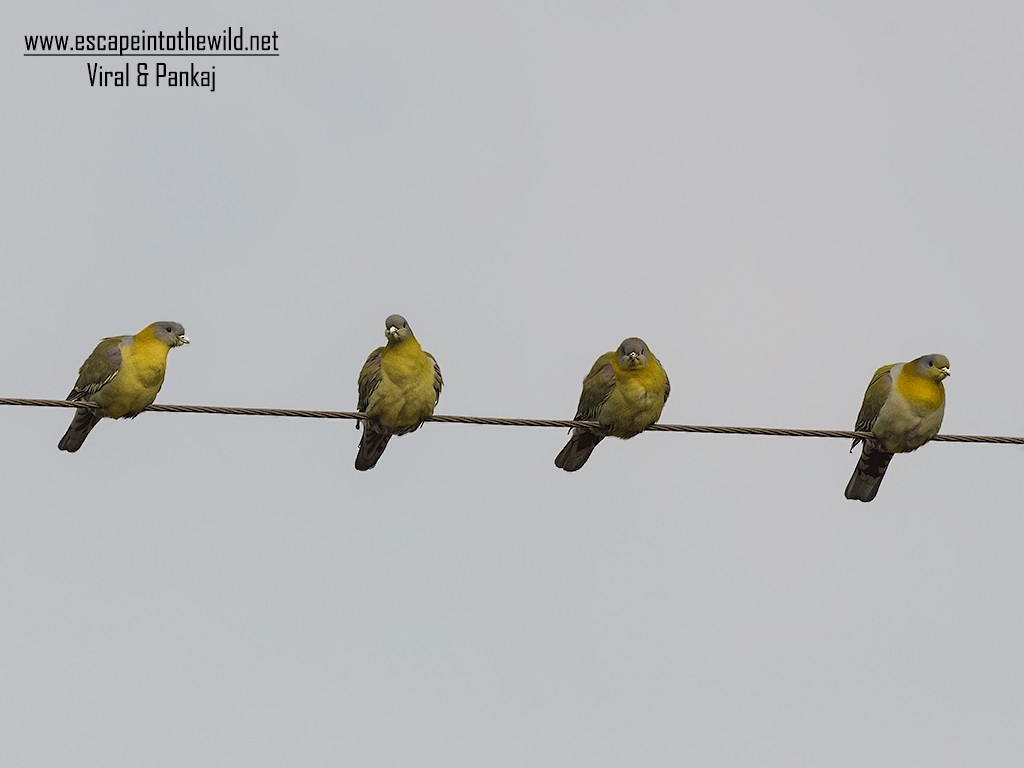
pixel 146 359
pixel 637 400
pixel 405 395
pixel 920 391
pixel 406 361
pixel 649 377
pixel 137 383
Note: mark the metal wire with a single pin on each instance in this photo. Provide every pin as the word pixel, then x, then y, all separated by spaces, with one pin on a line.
pixel 297 413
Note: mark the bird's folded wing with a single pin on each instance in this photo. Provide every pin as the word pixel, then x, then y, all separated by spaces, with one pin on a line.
pixel 98 369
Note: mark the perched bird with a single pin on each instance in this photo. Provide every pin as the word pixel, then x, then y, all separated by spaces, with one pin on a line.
pixel 902 409
pixel 122 376
pixel 625 392
pixel 399 386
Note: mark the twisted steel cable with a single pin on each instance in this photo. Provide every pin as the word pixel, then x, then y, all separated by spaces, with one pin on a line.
pixel 297 413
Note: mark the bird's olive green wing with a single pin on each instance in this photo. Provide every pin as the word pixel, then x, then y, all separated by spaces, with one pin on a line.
pixel 438 381
pixel 596 388
pixel 369 378
pixel 98 369
pixel 874 398
pixel 668 384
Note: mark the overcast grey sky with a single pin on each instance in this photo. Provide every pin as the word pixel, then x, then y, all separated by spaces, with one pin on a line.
pixel 777 197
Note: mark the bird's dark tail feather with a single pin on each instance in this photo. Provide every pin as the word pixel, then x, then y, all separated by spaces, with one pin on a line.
pixel 576 452
pixel 371 448
pixel 85 419
pixel 867 477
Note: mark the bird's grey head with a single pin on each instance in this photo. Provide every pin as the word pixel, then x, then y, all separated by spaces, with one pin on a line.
pixel 632 353
pixel 170 333
pixel 396 328
pixel 933 366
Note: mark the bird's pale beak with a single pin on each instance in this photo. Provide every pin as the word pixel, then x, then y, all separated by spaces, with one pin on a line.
pixel 183 339
pixel 944 372
pixel 393 332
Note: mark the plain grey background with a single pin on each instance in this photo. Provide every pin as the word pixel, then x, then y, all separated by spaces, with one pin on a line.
pixel 777 197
